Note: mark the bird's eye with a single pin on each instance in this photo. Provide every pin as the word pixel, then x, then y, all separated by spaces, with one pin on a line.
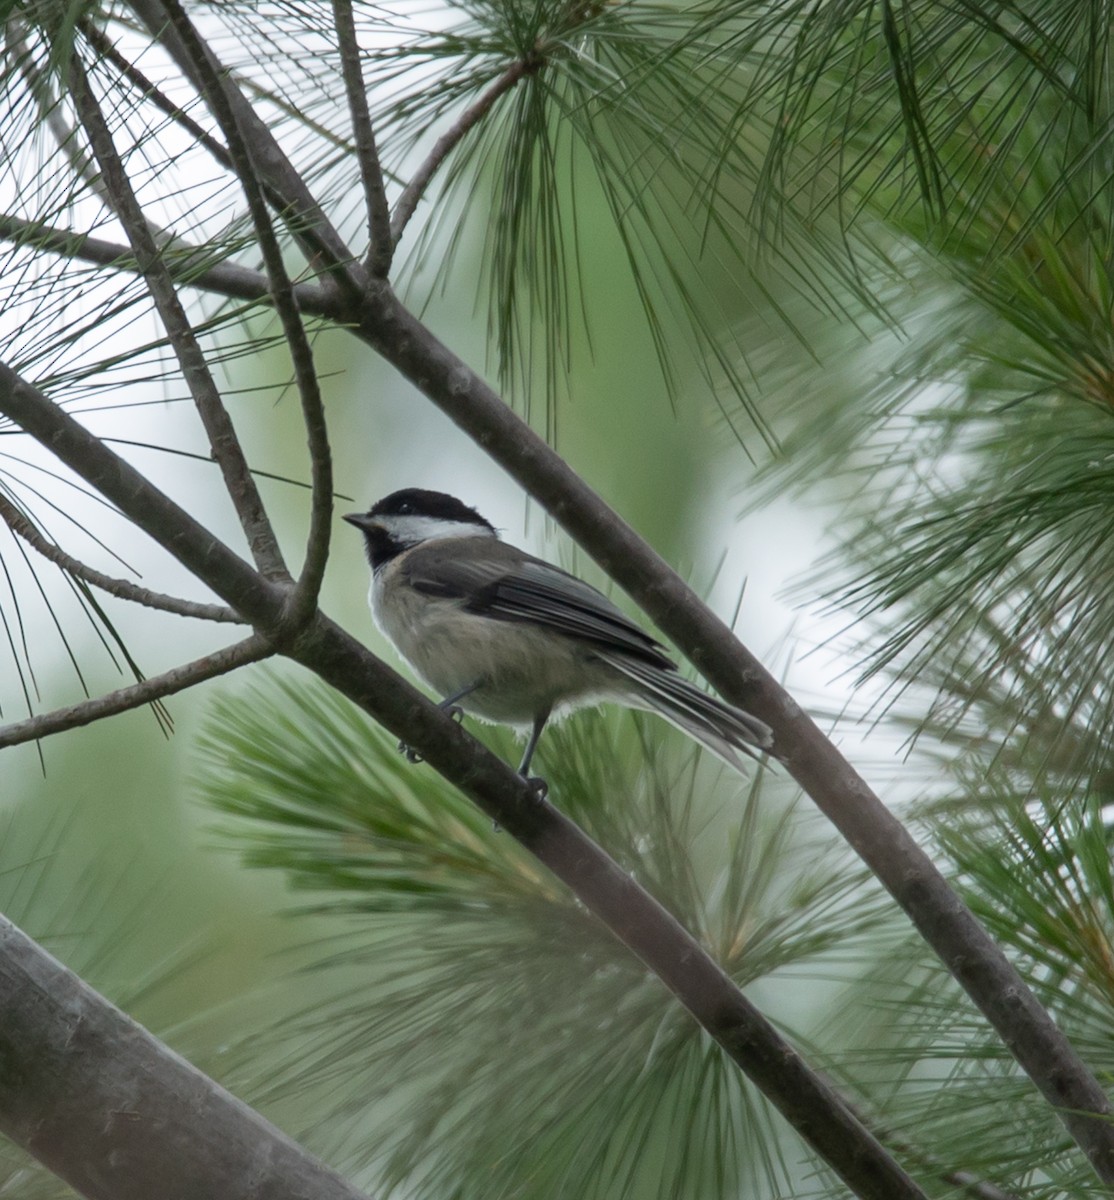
pixel 405 508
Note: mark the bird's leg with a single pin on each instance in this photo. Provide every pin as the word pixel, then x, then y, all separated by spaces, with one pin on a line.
pixel 447 705
pixel 539 785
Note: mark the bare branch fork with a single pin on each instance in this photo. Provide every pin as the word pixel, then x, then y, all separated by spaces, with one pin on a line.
pixel 303 600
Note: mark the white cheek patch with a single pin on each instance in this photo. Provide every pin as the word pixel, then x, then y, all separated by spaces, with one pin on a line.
pixel 410 530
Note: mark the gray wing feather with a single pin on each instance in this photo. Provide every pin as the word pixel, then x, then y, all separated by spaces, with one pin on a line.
pixel 507 585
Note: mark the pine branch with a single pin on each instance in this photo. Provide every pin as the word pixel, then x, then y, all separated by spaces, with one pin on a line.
pixel 250 650
pixel 128 70
pixel 124 588
pixel 412 194
pixel 817 1113
pixel 323 245
pixel 259 601
pixel 841 793
pixel 303 601
pixel 187 269
pixel 883 843
pixel 40 85
pixel 977 963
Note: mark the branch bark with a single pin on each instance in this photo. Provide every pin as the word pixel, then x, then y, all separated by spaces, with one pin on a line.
pixel 118 1115
pixel 196 268
pixel 380 241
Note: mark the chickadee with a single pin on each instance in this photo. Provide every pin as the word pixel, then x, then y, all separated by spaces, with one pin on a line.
pixel 516 641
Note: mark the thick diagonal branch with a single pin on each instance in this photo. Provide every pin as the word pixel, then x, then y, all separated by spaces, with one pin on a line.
pixel 120 1116
pixel 250 650
pixel 941 917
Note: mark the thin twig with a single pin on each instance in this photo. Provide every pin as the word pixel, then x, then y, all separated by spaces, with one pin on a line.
pixel 186 269
pixel 39 84
pixel 151 91
pixel 304 597
pixel 19 524
pixel 323 245
pixel 250 650
pixel 195 370
pixel 199 551
pixel 415 189
pixel 380 241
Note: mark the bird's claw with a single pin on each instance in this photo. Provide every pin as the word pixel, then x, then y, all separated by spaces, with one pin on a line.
pixel 409 753
pixel 538 786
pixel 412 756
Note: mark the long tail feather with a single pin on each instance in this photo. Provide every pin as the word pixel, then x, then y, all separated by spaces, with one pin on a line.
pixel 719 726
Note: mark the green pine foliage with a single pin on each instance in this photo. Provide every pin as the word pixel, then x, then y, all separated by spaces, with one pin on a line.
pixel 476 1025
pixel 907 208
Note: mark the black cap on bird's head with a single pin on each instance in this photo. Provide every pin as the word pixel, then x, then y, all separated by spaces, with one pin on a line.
pixel 414 515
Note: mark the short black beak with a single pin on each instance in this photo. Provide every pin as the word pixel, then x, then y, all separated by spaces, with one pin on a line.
pixel 360 520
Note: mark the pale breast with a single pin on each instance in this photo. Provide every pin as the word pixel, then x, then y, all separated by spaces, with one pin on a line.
pixel 520 671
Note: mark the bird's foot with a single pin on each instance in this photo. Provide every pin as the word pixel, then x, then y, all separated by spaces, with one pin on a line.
pixel 536 785
pixel 409 753
pixel 456 712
